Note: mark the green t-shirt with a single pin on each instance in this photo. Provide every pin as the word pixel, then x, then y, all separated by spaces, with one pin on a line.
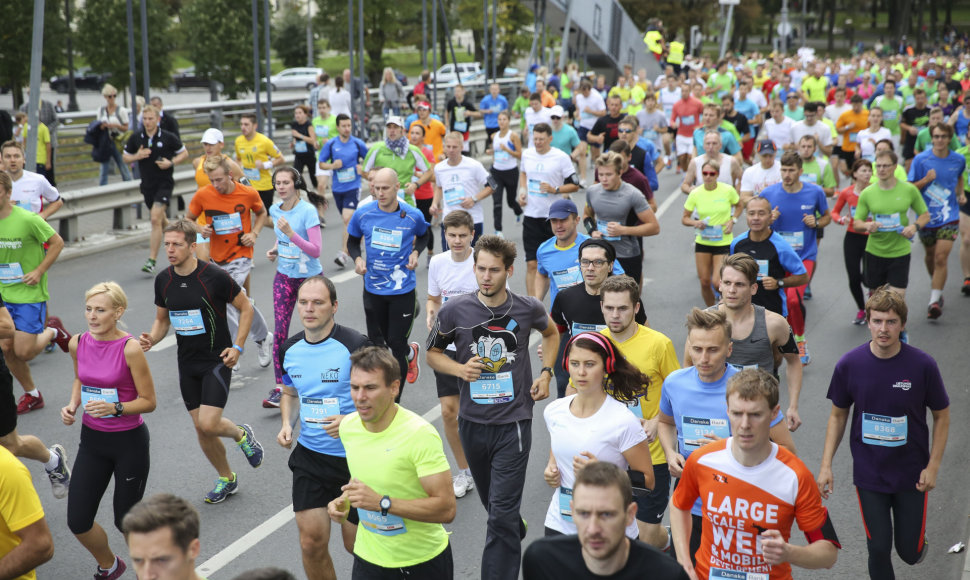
pixel 380 155
pixel 891 110
pixel 814 88
pixel 730 128
pixel 22 237
pixel 899 173
pixel 518 108
pixel 324 129
pixel 722 83
pixel 716 206
pixel 965 151
pixel 923 141
pixel 819 173
pixel 391 463
pixel 889 207
pixel 796 115
pixel 907 93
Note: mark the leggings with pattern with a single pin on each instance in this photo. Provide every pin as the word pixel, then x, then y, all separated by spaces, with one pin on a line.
pixel 284 299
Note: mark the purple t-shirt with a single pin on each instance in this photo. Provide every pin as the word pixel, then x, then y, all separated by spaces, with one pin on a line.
pixel 889 437
pixel 793 207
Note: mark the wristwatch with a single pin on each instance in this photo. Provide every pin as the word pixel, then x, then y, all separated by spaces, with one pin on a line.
pixel 119 409
pixel 781 282
pixel 544 369
pixel 385 505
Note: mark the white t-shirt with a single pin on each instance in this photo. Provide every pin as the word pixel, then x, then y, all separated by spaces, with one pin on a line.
pixel 533 118
pixel 756 177
pixel 501 159
pixel 832 112
pixel 553 168
pixel 461 181
pixel 340 102
pixel 667 100
pixel 594 102
pixel 821 131
pixel 868 138
pixel 606 434
pixel 779 133
pixel 32 190
pixel 448 278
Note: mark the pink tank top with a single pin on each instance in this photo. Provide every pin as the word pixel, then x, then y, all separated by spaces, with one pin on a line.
pixel 105 375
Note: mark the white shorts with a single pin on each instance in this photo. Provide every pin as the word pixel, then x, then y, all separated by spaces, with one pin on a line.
pixel 684 145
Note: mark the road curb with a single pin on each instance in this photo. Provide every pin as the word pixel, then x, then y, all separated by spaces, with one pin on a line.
pixel 104 242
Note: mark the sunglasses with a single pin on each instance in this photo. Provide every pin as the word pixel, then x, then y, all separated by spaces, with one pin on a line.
pixel 111 96
pixel 555 118
pixel 708 173
pixel 624 130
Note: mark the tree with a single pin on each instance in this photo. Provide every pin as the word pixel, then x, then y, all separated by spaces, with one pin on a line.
pixel 106 46
pixel 512 21
pixel 219 36
pixel 15 43
pixel 289 38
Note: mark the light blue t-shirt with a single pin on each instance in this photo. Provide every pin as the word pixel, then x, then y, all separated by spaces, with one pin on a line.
pixel 729 144
pixel 345 179
pixel 793 207
pixel 565 139
pixel 496 104
pixel 388 239
pixel 941 194
pixel 291 261
pixel 561 265
pixel 750 110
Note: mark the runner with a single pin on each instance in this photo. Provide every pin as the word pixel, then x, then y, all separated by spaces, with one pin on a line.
pixel 212 144
pixel 760 175
pixel 778 129
pixel 729 171
pixel 434 129
pixel 403 499
pixel 816 169
pixel 460 183
pixel 748 469
pixel 490 330
pixel 591 106
pixel 318 395
pixel 812 125
pixel 913 119
pixel 535 115
pixel 206 352
pixel 344 156
pixel 162 533
pixel 257 155
pixel 891 106
pixel 854 242
pixel 304 142
pixel 297 256
pixel 506 153
pixel 459 112
pixel 394 233
pixel 31 191
pixel 112 388
pixel 685 116
pixel 889 386
pixel 396 153
pixel 27 541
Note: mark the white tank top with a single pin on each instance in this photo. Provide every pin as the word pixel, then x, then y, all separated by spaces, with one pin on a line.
pixel 503 160
pixel 725 175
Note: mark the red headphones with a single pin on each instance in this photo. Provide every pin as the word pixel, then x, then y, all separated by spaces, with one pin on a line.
pixel 599 339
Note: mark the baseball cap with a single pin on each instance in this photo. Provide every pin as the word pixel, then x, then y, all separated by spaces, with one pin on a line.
pixel 556 111
pixel 424 105
pixel 931 73
pixel 766 146
pixel 212 136
pixel 562 209
pixel 395 120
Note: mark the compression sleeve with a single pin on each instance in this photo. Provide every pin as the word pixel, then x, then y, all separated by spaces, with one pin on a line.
pixel 310 247
pixel 421 242
pixel 353 246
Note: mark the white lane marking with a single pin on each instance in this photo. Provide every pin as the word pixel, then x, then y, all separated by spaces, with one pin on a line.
pixel 668 202
pixel 433 414
pixel 344 277
pixel 166 342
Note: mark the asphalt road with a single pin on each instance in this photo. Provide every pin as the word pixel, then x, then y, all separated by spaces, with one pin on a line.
pixel 255 527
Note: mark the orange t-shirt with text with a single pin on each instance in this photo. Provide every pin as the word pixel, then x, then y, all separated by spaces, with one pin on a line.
pixel 228 214
pixel 861 120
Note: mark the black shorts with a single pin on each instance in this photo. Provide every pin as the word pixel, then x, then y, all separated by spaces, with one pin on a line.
pixel 965 208
pixel 489 131
pixel 534 232
pixel 267 196
pixel 847 156
pixel 877 271
pixel 716 250
pixel 160 193
pixel 447 384
pixel 652 505
pixel 8 404
pixel 440 567
pixel 204 382
pixel 317 479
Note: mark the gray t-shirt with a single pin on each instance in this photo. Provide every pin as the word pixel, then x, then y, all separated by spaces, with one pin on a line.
pixel 653 125
pixel 500 336
pixel 615 206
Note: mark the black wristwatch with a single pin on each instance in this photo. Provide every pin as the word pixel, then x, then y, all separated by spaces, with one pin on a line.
pixel 119 409
pixel 544 369
pixel 385 505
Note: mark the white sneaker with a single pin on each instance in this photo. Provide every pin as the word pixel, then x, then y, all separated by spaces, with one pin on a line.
pixel 463 483
pixel 499 233
pixel 265 351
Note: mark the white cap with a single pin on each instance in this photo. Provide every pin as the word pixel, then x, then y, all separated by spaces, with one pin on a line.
pixel 212 136
pixel 395 120
pixel 556 111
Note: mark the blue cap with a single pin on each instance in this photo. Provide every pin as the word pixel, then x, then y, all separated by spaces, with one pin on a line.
pixel 562 209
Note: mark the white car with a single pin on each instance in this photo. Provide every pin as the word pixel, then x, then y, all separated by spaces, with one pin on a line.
pixel 467 71
pixel 295 78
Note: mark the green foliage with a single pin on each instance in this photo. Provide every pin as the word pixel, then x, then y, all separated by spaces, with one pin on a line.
pixel 102 37
pixel 218 36
pixel 288 38
pixel 15 42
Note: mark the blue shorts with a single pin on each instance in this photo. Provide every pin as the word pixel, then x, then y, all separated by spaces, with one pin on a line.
pixel 29 318
pixel 346 199
pixel 583 131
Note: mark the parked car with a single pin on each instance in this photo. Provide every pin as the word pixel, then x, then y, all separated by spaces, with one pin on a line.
pixel 187 79
pixel 84 79
pixel 466 71
pixel 295 78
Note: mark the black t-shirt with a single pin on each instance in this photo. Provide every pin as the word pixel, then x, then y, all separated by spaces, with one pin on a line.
pixel 764 250
pixel 302 129
pixel 917 118
pixel 163 145
pixel 456 115
pixel 558 557
pixel 578 311
pixel 170 124
pixel 197 309
pixel 608 125
pixel 740 123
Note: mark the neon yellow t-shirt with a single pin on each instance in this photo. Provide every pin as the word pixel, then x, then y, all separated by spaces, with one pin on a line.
pixel 43 138
pixel 653 353
pixel 19 504
pixel 391 463
pixel 251 154
pixel 814 88
pixel 716 206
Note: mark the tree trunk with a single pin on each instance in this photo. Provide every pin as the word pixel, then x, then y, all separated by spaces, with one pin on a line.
pixel 934 20
pixel 874 11
pixel 949 12
pixel 904 19
pixel 919 26
pixel 831 41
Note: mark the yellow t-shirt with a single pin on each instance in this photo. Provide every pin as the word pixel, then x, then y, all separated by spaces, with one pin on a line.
pixel 19 504
pixel 716 206
pixel 251 154
pixel 814 88
pixel 43 138
pixel 861 120
pixel 653 353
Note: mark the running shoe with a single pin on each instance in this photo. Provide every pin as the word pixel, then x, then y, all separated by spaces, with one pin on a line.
pixel 264 352
pixel 119 567
pixel 463 483
pixel 223 489
pixel 61 336
pixel 60 476
pixel 860 318
pixel 808 292
pixel 414 367
pixel 523 528
pixel 28 403
pixel 518 218
pixel 803 354
pixel 149 267
pixel 499 233
pixel 273 400
pixel 926 548
pixel 966 287
pixel 49 348
pixel 250 446
pixel 935 310
pixel 341 259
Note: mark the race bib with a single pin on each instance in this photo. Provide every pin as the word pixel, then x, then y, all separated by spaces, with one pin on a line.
pixel 454 195
pixel 288 251
pixel 502 156
pixel 299 147
pixel 889 115
pixel 314 411
pixel 853 137
pixel 187 322
pixel 603 227
pixel 578 327
pixel 883 431
pixel 98 394
pixel 651 135
pixel 385 240
pixel 228 224
pixel 888 222
pixel 938 194
pixel 722 574
pixel 695 428
pixel 565 510
pixel 535 188
pixel 461 126
pixel 713 233
pixel 251 174
pixel 795 239
pixel 762 268
pixel 492 389
pixel 687 120
pixel 375 523
pixel 346 174
pixel 12 273
pixel 568 277
pixel 743 367
pixel 808 178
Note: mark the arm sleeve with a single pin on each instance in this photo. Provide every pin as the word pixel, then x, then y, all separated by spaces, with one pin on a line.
pixel 310 246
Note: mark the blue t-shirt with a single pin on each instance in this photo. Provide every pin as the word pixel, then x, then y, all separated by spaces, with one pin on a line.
pixel 793 207
pixel 345 179
pixel 389 240
pixel 750 110
pixel 648 160
pixel 561 265
pixel 499 103
pixel 941 194
pixel 320 373
pixel 698 408
pixel 291 261
pixel 729 144
pixel 565 139
pixel 785 256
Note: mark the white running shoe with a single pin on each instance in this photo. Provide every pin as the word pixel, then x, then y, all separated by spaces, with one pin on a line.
pixel 463 483
pixel 265 351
